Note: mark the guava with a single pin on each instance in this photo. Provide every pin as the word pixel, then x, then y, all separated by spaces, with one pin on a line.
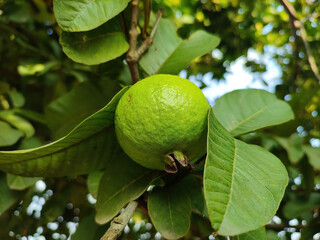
pixel 161 121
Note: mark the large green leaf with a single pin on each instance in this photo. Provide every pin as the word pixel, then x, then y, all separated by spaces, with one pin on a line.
pixel 170 54
pixel 9 135
pixel 258 234
pixel 243 111
pixel 96 46
pixel 84 15
pixel 121 183
pixel 87 148
pixel 243 183
pixel 293 146
pixel 63 114
pixel 313 155
pixel 170 211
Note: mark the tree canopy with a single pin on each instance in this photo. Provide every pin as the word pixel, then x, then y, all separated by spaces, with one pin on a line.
pixel 63 70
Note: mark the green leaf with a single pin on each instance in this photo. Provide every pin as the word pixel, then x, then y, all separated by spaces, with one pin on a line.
pixel 247 110
pixel 28 114
pixel 56 205
pixel 243 183
pixel 20 183
pixel 87 148
pixel 84 15
pixel 295 208
pixel 18 122
pixel 63 114
pixel 9 135
pixel 88 229
pixel 293 146
pixel 170 54
pixel 193 188
pixel 122 182
pixel 96 46
pixel 313 155
pixel 258 234
pixel 8 197
pixel 170 211
pixel 17 98
pixel 93 182
pixel 271 235
pixel 28 143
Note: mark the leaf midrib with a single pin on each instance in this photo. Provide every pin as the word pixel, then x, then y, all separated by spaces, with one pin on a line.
pixel 232 179
pixel 169 206
pixel 170 55
pixel 250 117
pixel 80 12
pixel 95 38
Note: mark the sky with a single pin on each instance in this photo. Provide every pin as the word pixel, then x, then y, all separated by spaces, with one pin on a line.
pixel 240 77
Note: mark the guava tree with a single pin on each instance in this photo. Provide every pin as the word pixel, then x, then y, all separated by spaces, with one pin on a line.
pixel 67 64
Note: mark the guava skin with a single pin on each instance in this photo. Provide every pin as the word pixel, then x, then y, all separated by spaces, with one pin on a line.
pixel 160 115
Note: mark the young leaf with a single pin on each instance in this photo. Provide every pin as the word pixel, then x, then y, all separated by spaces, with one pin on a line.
pixel 9 135
pixel 96 46
pixel 170 211
pixel 313 155
pixel 293 146
pixel 170 54
pixel 243 111
pixel 85 149
pixel 258 234
pixel 84 15
pixel 122 182
pixel 243 183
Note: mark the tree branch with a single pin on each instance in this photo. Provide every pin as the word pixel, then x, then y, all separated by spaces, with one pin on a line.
pixel 279 227
pixel 133 54
pixel 148 41
pixel 298 24
pixel 119 223
pixel 133 38
pixel 147 11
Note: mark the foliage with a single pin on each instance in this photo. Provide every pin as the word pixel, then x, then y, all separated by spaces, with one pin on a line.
pixel 61 77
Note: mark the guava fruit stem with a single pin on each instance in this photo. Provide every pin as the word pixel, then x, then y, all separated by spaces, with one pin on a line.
pixel 171 166
pixel 181 158
pixel 173 158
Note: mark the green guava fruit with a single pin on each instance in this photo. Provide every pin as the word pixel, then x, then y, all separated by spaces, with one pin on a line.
pixel 161 121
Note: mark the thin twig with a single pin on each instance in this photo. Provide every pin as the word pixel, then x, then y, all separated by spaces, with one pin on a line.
pixel 124 25
pixel 279 227
pixel 133 54
pixel 119 223
pixel 147 11
pixel 148 41
pixel 298 24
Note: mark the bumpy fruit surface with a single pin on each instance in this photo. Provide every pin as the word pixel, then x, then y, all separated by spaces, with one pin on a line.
pixel 160 116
